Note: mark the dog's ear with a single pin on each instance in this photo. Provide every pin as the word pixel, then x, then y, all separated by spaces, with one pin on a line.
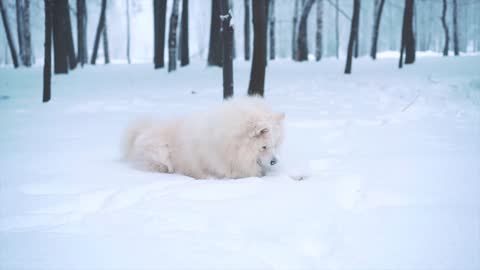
pixel 259 130
pixel 279 117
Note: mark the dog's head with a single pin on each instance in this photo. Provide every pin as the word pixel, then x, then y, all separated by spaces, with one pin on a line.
pixel 266 137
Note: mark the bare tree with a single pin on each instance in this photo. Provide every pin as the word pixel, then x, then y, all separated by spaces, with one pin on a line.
pixel 294 29
pixel 376 26
pixel 64 51
pixel 184 48
pixel 47 66
pixel 72 58
pixel 8 32
pixel 106 54
pixel 355 45
pixel 82 54
pixel 215 45
pixel 246 30
pixel 271 27
pixel 172 38
pixel 445 28
pixel 353 34
pixel 455 29
pixel 128 31
pixel 259 62
pixel 408 37
pixel 302 44
pixel 159 16
pixel 23 30
pixel 318 36
pixel 100 27
pixel 227 35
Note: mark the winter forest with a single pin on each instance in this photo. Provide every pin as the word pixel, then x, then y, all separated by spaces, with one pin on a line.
pixel 379 166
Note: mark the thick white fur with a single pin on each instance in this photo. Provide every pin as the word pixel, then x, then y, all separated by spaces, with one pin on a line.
pixel 237 139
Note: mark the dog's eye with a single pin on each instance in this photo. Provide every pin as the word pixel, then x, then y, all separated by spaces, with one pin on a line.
pixel 264 147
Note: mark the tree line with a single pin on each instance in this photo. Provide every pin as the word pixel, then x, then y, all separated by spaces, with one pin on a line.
pixel 59 42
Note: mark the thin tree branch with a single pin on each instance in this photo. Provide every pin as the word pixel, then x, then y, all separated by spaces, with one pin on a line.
pixel 340 10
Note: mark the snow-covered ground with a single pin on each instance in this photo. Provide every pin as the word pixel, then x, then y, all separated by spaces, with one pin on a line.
pixel 392 158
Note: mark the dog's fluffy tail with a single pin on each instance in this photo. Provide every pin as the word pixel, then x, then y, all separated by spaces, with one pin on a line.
pixel 132 133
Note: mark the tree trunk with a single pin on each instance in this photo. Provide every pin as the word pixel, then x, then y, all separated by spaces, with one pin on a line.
pixel 355 48
pixel 215 44
pixel 47 66
pixel 106 53
pixel 60 40
pixel 318 36
pixel 408 38
pixel 160 16
pixel 230 7
pixel 23 30
pixel 455 29
pixel 129 60
pixel 271 28
pixel 246 30
pixel 172 38
pixel 184 48
pixel 101 25
pixel 445 28
pixel 259 62
pixel 376 28
pixel 6 25
pixel 337 30
pixel 294 29
pixel 302 42
pixel 353 33
pixel 82 55
pixel 72 58
pixel 227 35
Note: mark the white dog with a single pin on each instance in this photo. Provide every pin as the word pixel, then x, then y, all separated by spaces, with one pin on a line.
pixel 238 139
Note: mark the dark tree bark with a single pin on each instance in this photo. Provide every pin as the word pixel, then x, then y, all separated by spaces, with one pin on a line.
pixel 318 34
pixel 184 48
pixel 355 48
pixel 408 38
pixel 455 29
pixel 72 58
pixel 215 44
pixel 259 62
pixel 106 53
pixel 23 30
pixel 271 28
pixel 60 40
pixel 101 25
pixel 227 35
pixel 172 38
pixel 82 55
pixel 302 42
pixel 246 30
pixel 129 60
pixel 337 31
pixel 445 28
pixel 47 66
pixel 160 16
pixel 294 29
pixel 376 28
pixel 353 34
pixel 8 32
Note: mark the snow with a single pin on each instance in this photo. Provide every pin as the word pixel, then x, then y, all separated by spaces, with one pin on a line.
pixel 390 159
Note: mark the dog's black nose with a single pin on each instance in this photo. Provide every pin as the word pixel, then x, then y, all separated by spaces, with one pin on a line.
pixel 273 161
